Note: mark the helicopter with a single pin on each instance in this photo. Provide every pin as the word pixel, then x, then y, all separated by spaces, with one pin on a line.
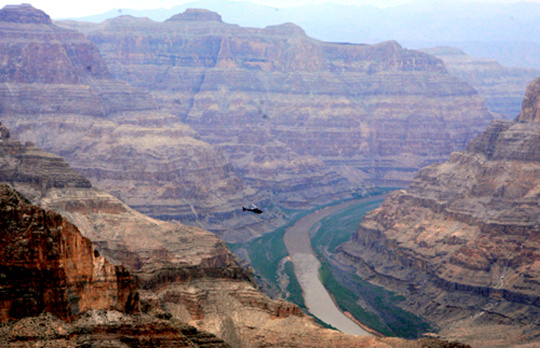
pixel 253 208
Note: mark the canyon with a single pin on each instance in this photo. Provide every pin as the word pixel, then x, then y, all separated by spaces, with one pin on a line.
pixel 57 92
pixel 213 115
pixel 461 242
pixel 306 120
pixel 191 291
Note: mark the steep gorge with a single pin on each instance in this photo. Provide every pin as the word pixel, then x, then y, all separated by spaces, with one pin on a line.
pixel 462 242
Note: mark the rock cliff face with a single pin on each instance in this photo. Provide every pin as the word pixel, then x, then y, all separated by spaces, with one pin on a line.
pixel 49 271
pixel 304 118
pixel 47 265
pixel 462 243
pixel 502 87
pixel 56 91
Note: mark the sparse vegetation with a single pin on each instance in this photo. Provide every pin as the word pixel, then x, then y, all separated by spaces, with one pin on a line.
pixel 294 288
pixel 338 228
pixel 390 320
pixel 347 301
pixel 266 253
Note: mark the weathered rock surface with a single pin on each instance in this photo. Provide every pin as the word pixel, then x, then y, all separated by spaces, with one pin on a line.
pixel 502 87
pixel 244 317
pixel 303 118
pixel 463 242
pixel 56 91
pixel 47 265
pixel 101 329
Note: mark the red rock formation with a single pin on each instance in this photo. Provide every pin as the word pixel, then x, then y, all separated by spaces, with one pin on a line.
pixel 463 242
pixel 47 265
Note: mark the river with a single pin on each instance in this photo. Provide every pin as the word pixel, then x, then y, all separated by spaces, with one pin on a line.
pixel 306 269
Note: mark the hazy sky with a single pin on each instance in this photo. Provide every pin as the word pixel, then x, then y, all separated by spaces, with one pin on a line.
pixel 70 8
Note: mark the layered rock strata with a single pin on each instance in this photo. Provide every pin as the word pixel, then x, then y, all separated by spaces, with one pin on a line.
pixel 118 232
pixel 57 291
pixel 303 118
pixel 462 242
pixel 502 87
pixel 56 91
pixel 47 265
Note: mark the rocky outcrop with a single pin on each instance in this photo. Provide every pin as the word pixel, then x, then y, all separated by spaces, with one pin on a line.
pixel 244 317
pixel 305 119
pixel 531 104
pixel 462 242
pixel 33 171
pixel 98 328
pixel 503 87
pixel 56 91
pixel 24 13
pixel 47 265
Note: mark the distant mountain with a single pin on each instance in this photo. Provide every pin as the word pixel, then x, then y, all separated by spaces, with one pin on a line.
pixel 495 28
pixel 512 54
pixel 501 86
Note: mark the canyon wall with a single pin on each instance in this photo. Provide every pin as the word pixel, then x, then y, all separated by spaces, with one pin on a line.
pixel 305 119
pixel 56 91
pixel 462 242
pixel 57 291
pixel 47 265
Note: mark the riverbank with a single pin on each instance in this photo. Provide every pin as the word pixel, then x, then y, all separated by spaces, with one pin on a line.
pixel 306 268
